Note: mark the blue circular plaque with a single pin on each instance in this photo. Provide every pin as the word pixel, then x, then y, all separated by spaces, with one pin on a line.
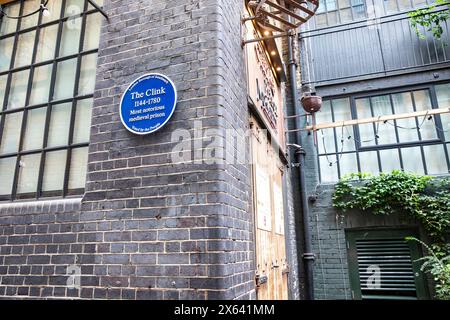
pixel 148 103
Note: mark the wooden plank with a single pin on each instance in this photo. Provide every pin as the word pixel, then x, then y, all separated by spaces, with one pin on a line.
pixel 270 248
pixel 281 20
pixel 286 11
pixel 299 6
pixel 353 122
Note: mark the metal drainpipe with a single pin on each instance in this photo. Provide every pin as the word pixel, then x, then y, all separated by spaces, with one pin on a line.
pixel 308 256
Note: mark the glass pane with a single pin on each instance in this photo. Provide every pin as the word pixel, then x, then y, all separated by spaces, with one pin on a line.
pixel 407 131
pixel 348 164
pixel 344 4
pixel 390 160
pixel 331 5
pixel 70 39
pixel 82 126
pixel 435 159
pixel 74 7
pixel 41 84
pixel 28 173
pixel 333 18
pixel 386 131
pixel 322 8
pixel 443 97
pixel 30 6
pixel 34 133
pixel 390 6
pixel 359 12
pixel 321 20
pixel 92 38
pixel 54 11
pixel 419 3
pixel 87 75
pixel 11 133
pixel 369 162
pixel 58 134
pixel 7 169
pixel 328 172
pixel 423 102
pixel 412 160
pixel 342 112
pixel 346 15
pixel 324 116
pixel 6 46
pixel 25 46
pixel 326 143
pixel 18 89
pixel 65 79
pixel 341 108
pixel 10 25
pixel 3 80
pixel 78 168
pixel 366 131
pixel 404 4
pixel 47 43
pixel 54 170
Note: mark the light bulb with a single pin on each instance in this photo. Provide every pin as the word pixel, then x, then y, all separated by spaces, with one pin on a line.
pixel 45 11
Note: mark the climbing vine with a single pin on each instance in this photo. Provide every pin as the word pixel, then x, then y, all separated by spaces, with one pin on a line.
pixel 430 19
pixel 424 198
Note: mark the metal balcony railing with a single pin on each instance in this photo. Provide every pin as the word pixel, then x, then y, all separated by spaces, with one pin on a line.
pixel 368 49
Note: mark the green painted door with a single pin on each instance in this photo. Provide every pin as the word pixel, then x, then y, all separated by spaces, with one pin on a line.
pixel 382 265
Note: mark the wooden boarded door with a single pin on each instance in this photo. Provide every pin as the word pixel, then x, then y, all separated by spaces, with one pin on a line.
pixel 271 263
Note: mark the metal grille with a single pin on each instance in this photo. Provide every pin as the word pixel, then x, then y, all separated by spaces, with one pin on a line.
pixel 385 269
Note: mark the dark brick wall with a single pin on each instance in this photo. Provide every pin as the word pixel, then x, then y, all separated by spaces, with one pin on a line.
pixel 148 228
pixel 171 230
pixel 38 240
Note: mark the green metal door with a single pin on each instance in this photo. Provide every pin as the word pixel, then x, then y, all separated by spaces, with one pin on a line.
pixel 382 265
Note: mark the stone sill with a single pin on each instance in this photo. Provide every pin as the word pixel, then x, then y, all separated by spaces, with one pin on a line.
pixel 40 206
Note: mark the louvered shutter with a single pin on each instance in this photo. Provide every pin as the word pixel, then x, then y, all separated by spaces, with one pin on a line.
pixel 383 265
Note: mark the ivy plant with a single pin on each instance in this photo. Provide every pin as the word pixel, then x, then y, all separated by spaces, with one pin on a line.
pixel 430 19
pixel 422 197
pixel 437 263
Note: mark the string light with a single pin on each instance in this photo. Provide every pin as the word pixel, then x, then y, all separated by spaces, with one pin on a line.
pixel 42 7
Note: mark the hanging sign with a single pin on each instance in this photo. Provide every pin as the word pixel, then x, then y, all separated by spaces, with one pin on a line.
pixel 148 103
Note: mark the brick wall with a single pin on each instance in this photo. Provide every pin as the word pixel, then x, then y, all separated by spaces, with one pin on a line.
pixel 148 228
pixel 184 230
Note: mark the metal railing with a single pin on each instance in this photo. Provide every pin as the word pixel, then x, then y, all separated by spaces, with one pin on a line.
pixel 370 48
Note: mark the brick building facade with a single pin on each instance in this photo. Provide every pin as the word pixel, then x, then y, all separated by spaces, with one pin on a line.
pixel 144 227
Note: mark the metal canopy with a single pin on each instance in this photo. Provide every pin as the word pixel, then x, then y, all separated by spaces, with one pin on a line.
pixel 282 16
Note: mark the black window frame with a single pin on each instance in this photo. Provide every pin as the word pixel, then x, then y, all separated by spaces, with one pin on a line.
pixel 355 131
pixel 70 146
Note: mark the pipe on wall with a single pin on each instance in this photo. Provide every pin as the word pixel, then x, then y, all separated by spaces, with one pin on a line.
pixel 308 256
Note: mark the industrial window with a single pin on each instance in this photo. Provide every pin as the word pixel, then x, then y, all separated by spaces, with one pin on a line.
pixel 393 6
pixel 383 265
pixel 333 12
pixel 417 144
pixel 47 78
